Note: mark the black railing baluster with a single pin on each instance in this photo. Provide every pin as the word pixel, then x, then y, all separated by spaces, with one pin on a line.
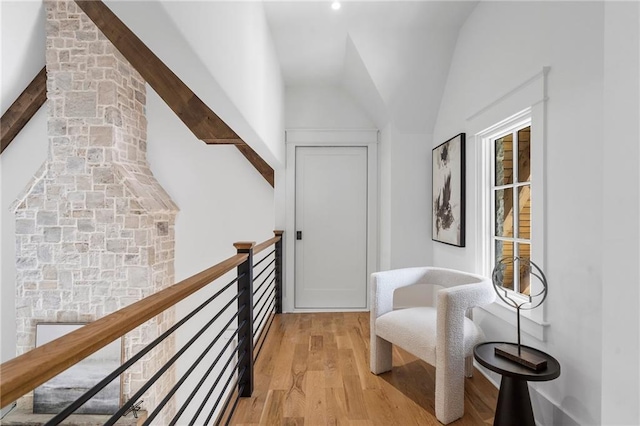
pixel 226 386
pixel 259 298
pixel 278 268
pixel 192 422
pixel 256 319
pixel 245 320
pixel 233 408
pixel 265 279
pixel 203 378
pixel 266 256
pixel 169 363
pixel 103 383
pixel 192 368
pixel 262 296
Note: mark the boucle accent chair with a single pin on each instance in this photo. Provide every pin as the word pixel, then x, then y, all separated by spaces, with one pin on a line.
pixel 442 336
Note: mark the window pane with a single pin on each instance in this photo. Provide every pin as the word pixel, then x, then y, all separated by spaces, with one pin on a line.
pixel 524 155
pixel 505 249
pixel 524 212
pixel 504 160
pixel 504 213
pixel 524 252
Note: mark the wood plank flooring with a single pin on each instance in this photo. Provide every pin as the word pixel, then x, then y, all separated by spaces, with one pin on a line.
pixel 314 370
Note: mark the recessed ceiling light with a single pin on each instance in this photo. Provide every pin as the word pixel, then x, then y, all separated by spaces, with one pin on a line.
pixel 335 5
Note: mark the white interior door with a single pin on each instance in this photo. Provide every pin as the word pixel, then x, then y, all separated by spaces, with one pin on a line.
pixel 331 217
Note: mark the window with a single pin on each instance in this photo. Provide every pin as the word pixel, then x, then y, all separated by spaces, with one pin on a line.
pixel 510 180
pixel 511 202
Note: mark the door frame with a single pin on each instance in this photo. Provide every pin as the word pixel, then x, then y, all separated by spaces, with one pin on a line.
pixel 327 138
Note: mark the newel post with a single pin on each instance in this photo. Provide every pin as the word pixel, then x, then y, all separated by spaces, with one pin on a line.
pixel 245 319
pixel 278 268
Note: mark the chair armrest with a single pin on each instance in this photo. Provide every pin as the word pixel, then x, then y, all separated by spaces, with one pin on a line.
pixel 466 296
pixel 452 305
pixel 384 283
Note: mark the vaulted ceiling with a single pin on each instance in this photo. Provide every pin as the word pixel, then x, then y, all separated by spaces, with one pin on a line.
pixel 393 57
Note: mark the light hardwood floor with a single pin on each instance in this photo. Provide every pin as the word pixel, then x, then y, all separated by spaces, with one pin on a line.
pixel 314 370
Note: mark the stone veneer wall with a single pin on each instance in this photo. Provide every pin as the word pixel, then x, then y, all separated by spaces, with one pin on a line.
pixel 95 230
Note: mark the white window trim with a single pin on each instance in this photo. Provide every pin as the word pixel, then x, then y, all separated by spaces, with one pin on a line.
pixel 532 321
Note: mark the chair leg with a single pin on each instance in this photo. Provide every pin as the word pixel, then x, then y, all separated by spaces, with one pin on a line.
pixel 381 355
pixel 468 366
pixel 468 362
pixel 450 389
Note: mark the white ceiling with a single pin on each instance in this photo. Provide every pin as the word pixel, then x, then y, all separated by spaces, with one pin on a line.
pixel 311 38
pixel 391 56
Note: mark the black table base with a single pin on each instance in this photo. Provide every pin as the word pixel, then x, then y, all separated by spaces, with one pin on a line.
pixel 514 405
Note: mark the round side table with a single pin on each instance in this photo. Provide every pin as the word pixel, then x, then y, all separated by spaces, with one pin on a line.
pixel 514 403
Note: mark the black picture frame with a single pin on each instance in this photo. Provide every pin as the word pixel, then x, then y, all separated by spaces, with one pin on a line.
pixel 448 191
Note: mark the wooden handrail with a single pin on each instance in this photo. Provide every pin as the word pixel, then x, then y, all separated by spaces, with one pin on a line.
pixel 28 371
pixel 260 247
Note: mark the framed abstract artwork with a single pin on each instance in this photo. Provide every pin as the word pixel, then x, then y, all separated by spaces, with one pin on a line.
pixel 448 168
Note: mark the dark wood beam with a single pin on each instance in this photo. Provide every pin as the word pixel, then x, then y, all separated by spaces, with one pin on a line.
pixel 197 116
pixel 193 112
pixel 261 166
pixel 21 111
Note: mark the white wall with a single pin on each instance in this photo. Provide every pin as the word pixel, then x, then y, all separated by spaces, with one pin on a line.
pixel 500 46
pixel 323 107
pixel 18 163
pixel 230 64
pixel 405 206
pixel 384 158
pixel 621 194
pixel 234 42
pixel 410 220
pixel 22 46
pixel 403 71
pixel 221 201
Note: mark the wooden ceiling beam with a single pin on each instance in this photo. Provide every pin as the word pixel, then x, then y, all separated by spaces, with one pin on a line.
pixel 21 111
pixel 193 112
pixel 261 166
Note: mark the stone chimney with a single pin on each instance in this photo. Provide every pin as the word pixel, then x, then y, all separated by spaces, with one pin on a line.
pixel 94 228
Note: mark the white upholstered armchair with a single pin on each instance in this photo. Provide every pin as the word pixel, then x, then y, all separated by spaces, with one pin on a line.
pixel 442 335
